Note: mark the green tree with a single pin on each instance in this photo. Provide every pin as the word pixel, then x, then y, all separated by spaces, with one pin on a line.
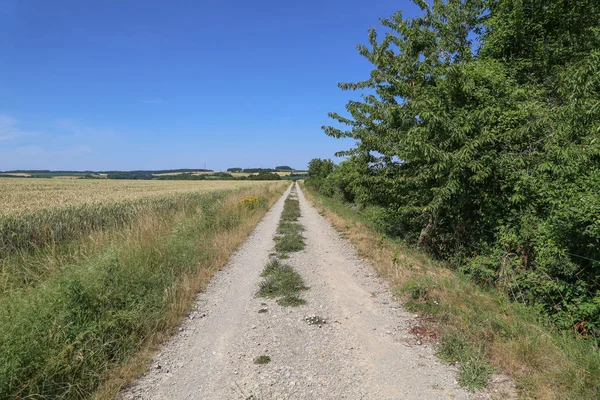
pixel 487 155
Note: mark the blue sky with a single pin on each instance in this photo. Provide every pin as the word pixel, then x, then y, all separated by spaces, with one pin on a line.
pixel 132 84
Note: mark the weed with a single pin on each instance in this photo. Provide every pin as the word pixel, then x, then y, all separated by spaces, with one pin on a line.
pixel 291 300
pixel 475 373
pixel 263 359
pixel 289 243
pixel 475 370
pixel 271 268
pixel 291 210
pixel 453 347
pixel 250 202
pixel 290 228
pixel 281 281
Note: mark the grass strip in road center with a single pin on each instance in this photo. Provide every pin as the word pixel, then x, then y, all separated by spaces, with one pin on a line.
pixel 290 239
pixel 281 280
pixel 291 209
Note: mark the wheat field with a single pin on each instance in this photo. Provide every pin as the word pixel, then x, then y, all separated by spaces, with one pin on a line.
pixel 21 195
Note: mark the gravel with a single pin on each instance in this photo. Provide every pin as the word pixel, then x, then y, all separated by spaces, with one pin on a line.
pixel 361 350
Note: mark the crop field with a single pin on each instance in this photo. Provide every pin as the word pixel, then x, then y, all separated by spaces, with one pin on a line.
pixel 94 273
pixel 17 195
pixel 38 212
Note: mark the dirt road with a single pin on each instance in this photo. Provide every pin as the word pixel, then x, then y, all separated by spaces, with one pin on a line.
pixel 363 351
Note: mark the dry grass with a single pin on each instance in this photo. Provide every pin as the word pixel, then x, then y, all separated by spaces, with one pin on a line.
pixel 484 325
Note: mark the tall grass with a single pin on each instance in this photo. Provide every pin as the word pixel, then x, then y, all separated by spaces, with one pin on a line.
pixel 479 327
pixel 65 337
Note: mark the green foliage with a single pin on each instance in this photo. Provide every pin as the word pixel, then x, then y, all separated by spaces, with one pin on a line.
pixel 186 176
pixel 485 156
pixel 264 176
pixel 258 170
pixel 90 176
pixel 318 170
pixel 131 175
pixel 291 300
pixel 221 176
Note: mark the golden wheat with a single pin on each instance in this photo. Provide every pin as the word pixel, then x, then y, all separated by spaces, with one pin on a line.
pixel 18 195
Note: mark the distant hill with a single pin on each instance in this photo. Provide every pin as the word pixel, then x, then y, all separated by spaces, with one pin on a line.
pixel 46 172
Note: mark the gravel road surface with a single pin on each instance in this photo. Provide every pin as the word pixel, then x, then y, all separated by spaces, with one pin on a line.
pixel 363 351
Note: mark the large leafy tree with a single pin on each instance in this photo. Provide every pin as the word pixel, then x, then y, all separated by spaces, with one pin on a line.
pixel 478 135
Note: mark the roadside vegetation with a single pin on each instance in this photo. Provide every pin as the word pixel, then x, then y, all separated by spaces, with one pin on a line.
pixel 477 326
pixel 476 141
pixel 89 324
